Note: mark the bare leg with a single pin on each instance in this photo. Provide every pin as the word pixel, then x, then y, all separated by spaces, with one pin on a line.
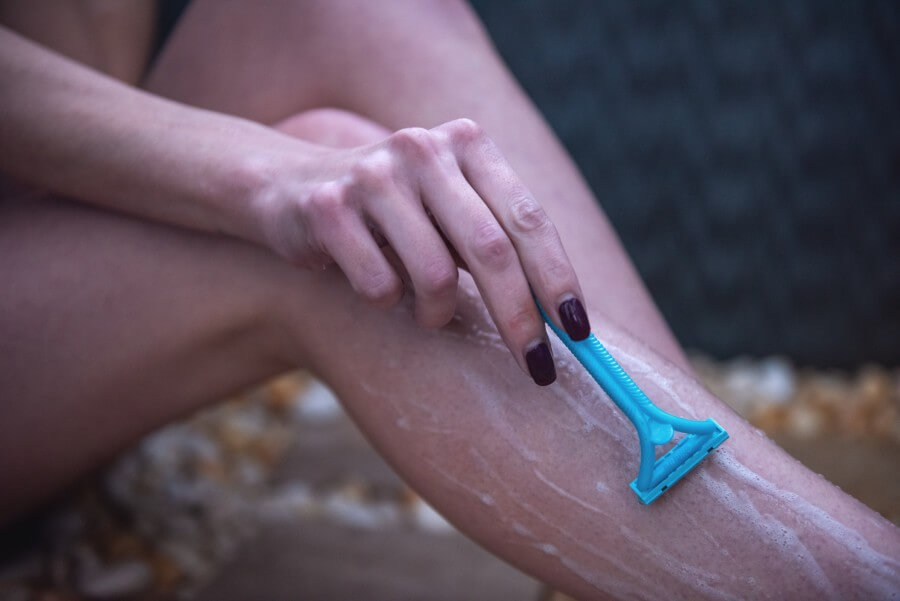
pixel 537 475
pixel 540 477
pixel 401 64
pixel 111 327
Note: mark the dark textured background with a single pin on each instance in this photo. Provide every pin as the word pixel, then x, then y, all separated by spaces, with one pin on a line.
pixel 748 153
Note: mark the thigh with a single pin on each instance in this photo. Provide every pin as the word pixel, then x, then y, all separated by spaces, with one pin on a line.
pixel 402 63
pixel 111 326
pixel 242 58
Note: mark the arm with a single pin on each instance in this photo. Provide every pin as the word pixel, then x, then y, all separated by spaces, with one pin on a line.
pixel 437 196
pixel 79 133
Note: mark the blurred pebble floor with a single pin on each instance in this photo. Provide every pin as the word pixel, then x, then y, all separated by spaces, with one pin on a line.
pixel 275 495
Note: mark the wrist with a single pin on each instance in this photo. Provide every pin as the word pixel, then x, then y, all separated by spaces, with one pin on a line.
pixel 242 189
pixel 259 173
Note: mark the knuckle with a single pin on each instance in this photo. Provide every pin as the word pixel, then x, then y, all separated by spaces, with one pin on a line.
pixel 374 171
pixel 528 216
pixel 436 316
pixel 521 324
pixel 490 246
pixel 558 269
pixel 328 204
pixel 465 130
pixel 414 142
pixel 439 279
pixel 381 288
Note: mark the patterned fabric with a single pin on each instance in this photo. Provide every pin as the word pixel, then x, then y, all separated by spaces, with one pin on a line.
pixel 748 153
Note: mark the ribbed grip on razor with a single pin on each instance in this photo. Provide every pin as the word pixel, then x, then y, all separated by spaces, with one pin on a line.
pixel 654 426
pixel 612 378
pixel 615 370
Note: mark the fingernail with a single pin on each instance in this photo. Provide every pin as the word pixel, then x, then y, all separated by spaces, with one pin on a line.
pixel 574 319
pixel 540 364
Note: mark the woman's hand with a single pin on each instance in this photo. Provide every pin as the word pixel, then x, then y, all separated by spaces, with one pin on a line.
pixel 429 194
pixel 439 198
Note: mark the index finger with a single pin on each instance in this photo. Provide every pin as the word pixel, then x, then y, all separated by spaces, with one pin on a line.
pixel 536 240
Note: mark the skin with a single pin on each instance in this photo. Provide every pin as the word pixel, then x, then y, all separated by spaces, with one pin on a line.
pixel 114 325
pixel 113 38
pixel 423 191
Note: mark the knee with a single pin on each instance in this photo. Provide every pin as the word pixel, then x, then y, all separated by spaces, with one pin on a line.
pixel 333 127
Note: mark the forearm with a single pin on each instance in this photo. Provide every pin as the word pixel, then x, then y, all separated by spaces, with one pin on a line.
pixel 77 132
pixel 540 476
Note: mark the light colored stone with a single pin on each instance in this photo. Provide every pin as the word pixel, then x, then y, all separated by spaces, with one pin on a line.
pixel 776 382
pixel 115 580
pixel 319 404
pixel 367 516
pixel 426 518
pixel 805 422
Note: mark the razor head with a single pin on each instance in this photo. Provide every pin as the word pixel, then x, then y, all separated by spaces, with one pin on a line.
pixel 678 461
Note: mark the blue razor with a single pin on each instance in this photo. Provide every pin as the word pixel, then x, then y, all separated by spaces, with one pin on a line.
pixel 654 426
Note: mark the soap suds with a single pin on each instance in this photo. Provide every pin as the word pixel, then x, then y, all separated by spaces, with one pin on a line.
pixel 482 496
pixel 576 411
pixel 482 392
pixel 601 576
pixel 403 420
pixel 768 529
pixel 557 489
pixel 521 530
pixel 692 576
pixel 884 566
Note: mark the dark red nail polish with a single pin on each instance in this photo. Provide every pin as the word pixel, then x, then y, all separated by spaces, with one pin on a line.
pixel 574 319
pixel 540 364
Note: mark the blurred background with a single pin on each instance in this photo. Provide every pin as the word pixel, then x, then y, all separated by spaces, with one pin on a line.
pixel 748 154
